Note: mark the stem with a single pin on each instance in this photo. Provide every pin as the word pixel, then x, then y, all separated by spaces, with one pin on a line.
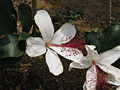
pixel 34 2
pixel 71 45
pixel 110 12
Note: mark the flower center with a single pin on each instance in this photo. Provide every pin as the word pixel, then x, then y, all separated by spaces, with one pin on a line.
pixel 46 44
pixel 93 62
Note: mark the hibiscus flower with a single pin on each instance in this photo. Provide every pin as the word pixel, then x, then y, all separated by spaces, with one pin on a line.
pixel 93 60
pixel 53 43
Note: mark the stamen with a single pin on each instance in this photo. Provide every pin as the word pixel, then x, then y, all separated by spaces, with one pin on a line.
pixel 78 44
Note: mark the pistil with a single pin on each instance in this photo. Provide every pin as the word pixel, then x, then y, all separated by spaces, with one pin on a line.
pixel 78 44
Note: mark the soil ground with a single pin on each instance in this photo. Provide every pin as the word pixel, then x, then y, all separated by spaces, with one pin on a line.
pixel 25 73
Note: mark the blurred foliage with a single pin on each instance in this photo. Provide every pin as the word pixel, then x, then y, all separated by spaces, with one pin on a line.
pixel 11 44
pixel 23 36
pixel 10 49
pixel 69 16
pixel 8 17
pixel 25 16
pixel 106 39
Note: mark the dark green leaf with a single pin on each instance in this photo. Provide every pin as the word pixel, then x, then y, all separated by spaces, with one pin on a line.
pixel 4 41
pixel 25 16
pixel 91 38
pixel 11 49
pixel 8 17
pixel 105 40
pixel 23 36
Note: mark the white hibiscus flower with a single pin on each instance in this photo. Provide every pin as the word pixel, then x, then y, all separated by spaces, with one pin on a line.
pixel 53 43
pixel 103 60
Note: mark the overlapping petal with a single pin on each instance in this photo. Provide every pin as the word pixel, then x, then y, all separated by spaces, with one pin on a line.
pixel 118 88
pixel 53 62
pixel 110 56
pixel 110 70
pixel 113 80
pixel 69 53
pixel 35 47
pixel 64 34
pixel 92 54
pixel 81 65
pixel 92 47
pixel 91 78
pixel 45 25
pixel 85 86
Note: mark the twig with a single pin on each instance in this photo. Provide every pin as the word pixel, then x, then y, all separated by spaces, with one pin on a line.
pixel 34 7
pixel 110 12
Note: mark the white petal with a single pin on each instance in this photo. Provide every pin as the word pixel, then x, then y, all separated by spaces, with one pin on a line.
pixel 113 80
pixel 64 34
pixel 69 53
pixel 85 86
pixel 91 78
pixel 110 56
pixel 35 47
pixel 45 25
pixel 118 88
pixel 82 65
pixel 110 70
pixel 53 62
pixel 92 47
pixel 92 54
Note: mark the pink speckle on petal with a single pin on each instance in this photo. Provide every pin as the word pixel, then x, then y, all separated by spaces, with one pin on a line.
pixel 72 51
pixel 64 39
pixel 71 48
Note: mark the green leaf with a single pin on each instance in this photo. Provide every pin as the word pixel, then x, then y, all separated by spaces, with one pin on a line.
pixel 92 37
pixel 4 41
pixel 10 49
pixel 25 16
pixel 8 17
pixel 71 21
pixel 23 36
pixel 105 40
